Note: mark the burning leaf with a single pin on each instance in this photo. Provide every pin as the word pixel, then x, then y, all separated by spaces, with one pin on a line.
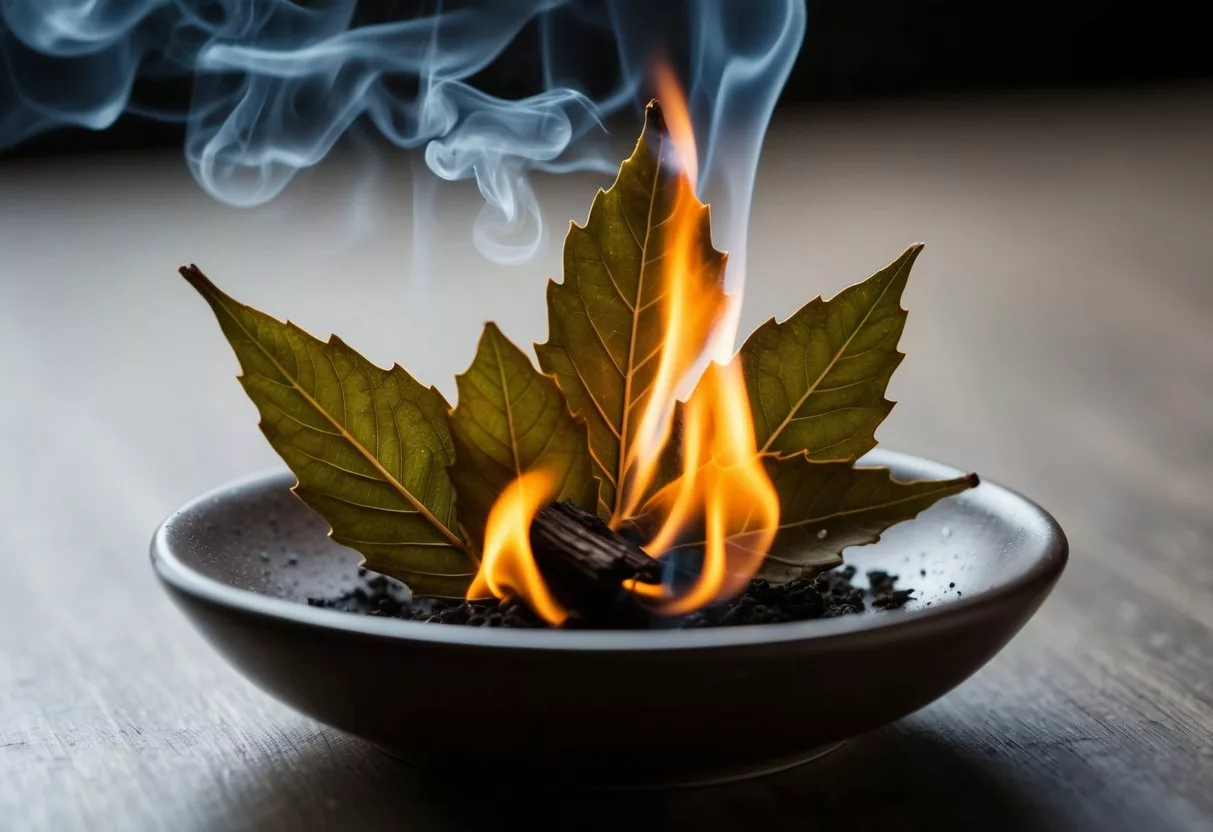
pixel 511 419
pixel 817 381
pixel 816 385
pixel 607 320
pixel 823 507
pixel 827 506
pixel 368 446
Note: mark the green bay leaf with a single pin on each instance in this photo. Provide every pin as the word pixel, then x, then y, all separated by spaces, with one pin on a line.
pixel 510 419
pixel 606 319
pixel 827 506
pixel 817 381
pixel 368 446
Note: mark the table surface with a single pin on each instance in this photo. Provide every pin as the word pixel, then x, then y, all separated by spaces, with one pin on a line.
pixel 1060 341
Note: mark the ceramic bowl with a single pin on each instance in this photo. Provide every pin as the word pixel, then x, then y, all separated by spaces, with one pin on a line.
pixel 615 708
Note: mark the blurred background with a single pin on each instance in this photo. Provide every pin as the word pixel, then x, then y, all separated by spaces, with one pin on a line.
pixel 1049 153
pixel 1056 157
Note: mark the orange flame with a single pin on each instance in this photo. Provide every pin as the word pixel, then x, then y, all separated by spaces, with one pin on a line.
pixel 507 566
pixel 692 306
pixel 724 485
pixel 724 489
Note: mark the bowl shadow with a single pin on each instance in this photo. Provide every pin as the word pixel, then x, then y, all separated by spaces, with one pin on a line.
pixel 902 776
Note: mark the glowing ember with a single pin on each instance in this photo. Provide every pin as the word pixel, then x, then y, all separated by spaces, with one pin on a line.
pixel 507 568
pixel 723 502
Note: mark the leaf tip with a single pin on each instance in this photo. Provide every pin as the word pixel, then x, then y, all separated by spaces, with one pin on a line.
pixel 653 115
pixel 195 277
pixel 493 338
pixel 972 480
pixel 911 253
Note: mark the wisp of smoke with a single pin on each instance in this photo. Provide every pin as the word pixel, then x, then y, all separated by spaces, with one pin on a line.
pixel 276 83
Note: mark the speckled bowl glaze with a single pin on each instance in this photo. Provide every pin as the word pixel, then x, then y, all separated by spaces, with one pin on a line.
pixel 625 708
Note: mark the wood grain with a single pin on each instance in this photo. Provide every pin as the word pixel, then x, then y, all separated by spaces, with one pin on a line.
pixel 1060 341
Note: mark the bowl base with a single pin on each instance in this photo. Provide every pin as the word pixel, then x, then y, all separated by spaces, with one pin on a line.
pixel 692 779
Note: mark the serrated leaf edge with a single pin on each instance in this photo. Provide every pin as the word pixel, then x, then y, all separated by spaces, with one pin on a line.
pixel 910 255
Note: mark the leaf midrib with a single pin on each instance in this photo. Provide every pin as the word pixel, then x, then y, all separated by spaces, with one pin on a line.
pixel 624 442
pixel 509 408
pixel 420 507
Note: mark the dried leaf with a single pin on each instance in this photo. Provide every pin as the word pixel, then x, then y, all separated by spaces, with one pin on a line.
pixel 369 446
pixel 817 381
pixel 606 319
pixel 511 418
pixel 827 506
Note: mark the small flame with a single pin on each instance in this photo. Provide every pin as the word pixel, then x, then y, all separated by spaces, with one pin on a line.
pixel 507 567
pixel 724 487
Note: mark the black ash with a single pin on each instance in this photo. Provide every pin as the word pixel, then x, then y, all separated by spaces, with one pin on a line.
pixel 829 595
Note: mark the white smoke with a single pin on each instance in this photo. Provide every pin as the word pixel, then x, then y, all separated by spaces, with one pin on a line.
pixel 276 83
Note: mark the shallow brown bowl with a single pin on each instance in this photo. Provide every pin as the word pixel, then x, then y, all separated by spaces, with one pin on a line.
pixel 607 708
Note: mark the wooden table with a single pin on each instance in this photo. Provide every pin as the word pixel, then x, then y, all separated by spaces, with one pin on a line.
pixel 1060 341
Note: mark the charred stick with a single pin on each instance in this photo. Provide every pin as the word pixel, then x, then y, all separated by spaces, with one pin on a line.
pixel 585 564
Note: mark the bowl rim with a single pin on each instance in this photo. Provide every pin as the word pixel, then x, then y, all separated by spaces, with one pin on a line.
pixel 1050 553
